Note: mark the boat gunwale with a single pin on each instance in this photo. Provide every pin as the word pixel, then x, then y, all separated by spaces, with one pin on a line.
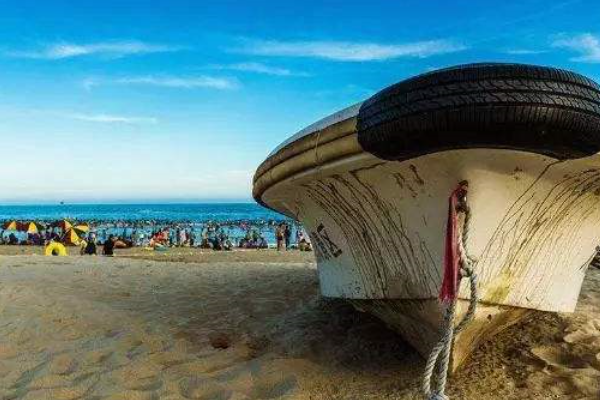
pixel 291 153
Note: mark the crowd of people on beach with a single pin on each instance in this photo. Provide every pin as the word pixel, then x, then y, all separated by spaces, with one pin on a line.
pixel 161 235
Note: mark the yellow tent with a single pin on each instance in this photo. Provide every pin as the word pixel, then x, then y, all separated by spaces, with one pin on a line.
pixel 11 225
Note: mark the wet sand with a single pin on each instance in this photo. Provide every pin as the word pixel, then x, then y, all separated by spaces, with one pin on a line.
pixel 248 325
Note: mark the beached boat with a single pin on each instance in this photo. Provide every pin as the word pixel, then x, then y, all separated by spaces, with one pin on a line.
pixel 371 184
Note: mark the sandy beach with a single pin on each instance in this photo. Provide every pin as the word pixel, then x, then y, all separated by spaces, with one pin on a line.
pixel 189 324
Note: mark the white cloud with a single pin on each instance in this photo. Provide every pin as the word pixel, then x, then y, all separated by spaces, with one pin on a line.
pixel 191 82
pixel 587 45
pixel 45 113
pixel 260 68
pixel 58 51
pixel 113 119
pixel 521 52
pixel 348 51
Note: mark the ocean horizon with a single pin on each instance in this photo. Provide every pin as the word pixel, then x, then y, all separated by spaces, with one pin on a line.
pixel 174 212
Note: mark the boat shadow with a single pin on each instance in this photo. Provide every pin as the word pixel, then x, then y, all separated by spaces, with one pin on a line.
pixel 278 313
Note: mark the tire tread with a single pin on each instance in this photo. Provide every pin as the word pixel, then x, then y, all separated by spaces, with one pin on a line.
pixel 523 107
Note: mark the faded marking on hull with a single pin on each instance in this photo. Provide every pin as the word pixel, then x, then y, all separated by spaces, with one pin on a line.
pixel 327 248
pixel 403 182
pixel 370 167
pixel 416 174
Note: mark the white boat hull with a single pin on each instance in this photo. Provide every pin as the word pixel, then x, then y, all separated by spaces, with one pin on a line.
pixel 378 229
pixel 371 184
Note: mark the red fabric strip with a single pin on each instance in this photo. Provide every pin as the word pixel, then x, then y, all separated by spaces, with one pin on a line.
pixel 449 289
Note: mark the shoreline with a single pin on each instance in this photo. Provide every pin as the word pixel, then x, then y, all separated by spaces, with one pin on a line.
pixel 175 254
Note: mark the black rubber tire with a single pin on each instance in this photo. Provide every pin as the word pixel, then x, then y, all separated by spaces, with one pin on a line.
pixel 521 107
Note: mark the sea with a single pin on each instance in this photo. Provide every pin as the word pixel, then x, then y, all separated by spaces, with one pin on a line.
pixel 203 212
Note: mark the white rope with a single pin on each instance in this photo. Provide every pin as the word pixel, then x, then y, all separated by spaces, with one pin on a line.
pixel 440 354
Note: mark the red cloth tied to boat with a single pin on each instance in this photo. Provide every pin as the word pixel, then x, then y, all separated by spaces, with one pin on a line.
pixel 449 289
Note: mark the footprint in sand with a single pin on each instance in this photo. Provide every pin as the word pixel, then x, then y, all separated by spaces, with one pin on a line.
pixel 63 365
pixel 97 357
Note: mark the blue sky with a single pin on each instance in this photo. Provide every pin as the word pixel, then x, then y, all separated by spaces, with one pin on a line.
pixel 181 100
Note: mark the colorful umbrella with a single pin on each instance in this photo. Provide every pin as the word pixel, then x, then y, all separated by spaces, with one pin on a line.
pixel 64 225
pixel 73 237
pixel 30 227
pixel 85 228
pixel 11 225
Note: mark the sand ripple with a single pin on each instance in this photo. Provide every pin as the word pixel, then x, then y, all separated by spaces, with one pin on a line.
pixel 116 329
